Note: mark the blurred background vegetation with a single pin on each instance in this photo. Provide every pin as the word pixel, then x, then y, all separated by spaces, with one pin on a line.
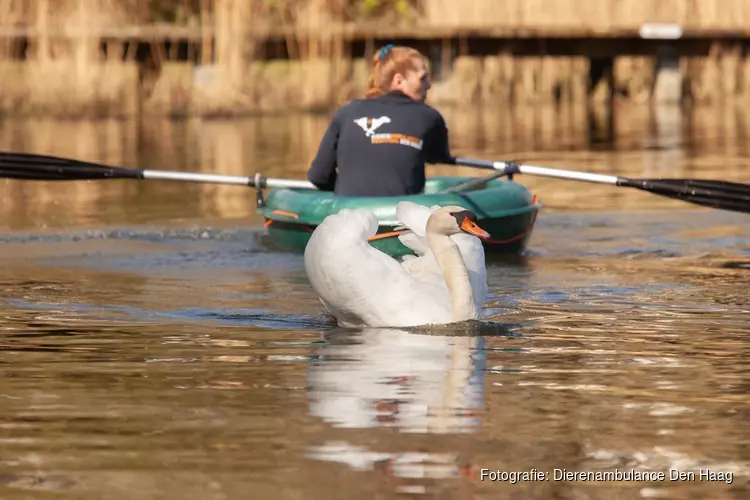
pixel 79 58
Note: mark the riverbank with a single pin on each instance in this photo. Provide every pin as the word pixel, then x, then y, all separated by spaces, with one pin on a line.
pixel 61 89
pixel 118 89
pixel 230 58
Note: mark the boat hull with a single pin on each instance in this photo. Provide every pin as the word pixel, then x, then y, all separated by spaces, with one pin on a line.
pixel 505 209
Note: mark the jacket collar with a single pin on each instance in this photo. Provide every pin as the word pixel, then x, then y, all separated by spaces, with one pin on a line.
pixel 396 95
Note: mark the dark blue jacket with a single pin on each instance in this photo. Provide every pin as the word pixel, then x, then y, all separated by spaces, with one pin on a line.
pixel 380 147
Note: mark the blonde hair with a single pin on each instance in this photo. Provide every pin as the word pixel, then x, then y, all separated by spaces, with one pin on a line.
pixel 388 61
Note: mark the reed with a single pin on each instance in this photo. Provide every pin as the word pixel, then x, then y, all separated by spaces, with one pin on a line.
pixel 634 78
pixel 227 89
pixel 723 75
pixel 231 80
pixel 66 75
pixel 508 80
pixel 11 12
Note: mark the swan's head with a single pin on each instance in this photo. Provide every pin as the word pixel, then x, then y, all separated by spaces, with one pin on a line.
pixel 454 220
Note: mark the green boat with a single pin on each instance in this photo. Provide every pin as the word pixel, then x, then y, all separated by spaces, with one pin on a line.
pixel 505 209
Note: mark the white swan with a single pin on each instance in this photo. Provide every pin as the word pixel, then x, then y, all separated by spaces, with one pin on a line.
pixel 362 286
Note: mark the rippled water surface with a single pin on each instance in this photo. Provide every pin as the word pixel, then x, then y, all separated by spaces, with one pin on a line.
pixel 154 346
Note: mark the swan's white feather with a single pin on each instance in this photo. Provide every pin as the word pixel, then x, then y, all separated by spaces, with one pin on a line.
pixel 360 285
pixel 414 217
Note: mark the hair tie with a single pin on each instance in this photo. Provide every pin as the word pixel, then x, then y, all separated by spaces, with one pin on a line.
pixel 385 50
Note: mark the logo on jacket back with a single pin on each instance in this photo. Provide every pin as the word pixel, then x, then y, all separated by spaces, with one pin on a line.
pixel 370 125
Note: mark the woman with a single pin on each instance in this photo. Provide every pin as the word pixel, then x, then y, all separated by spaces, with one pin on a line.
pixel 379 144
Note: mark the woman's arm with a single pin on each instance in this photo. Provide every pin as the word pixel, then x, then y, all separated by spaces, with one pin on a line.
pixel 437 148
pixel 322 171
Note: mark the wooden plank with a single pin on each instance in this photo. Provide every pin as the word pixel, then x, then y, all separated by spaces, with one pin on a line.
pixel 353 32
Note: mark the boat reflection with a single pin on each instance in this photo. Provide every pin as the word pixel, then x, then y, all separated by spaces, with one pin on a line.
pixel 417 382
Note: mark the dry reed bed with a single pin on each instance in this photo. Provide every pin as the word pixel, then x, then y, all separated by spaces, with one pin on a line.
pixel 113 89
pixel 70 77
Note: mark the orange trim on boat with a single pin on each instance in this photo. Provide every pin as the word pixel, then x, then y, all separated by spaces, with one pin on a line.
pixel 288 214
pixel 392 234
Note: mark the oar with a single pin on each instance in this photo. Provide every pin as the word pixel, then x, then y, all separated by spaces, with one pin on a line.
pixel 51 168
pixel 723 195
pixel 716 194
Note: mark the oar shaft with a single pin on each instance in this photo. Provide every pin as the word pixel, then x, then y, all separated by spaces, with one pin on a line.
pixel 717 194
pixel 167 175
pixel 568 174
pixel 510 167
pixel 289 183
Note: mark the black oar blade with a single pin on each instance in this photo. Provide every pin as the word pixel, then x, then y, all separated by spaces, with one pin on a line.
pixel 724 195
pixel 50 168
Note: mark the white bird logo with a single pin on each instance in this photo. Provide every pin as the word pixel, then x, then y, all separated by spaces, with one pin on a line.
pixel 370 125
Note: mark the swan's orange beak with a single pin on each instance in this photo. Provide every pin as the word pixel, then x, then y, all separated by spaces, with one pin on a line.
pixel 469 226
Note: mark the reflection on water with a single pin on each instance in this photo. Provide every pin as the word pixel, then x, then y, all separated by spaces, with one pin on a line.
pixel 418 383
pixel 639 141
pixel 153 347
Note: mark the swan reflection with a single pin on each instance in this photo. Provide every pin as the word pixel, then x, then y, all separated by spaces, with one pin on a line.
pixel 394 378
pixel 416 382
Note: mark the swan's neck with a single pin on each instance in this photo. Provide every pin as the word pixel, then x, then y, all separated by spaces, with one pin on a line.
pixel 456 276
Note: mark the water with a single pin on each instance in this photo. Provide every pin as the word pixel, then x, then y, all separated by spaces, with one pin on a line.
pixel 154 348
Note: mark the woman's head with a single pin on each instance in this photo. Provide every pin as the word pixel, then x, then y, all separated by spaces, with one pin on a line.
pixel 399 68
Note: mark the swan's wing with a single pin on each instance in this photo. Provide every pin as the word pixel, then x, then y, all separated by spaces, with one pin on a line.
pixel 361 285
pixel 413 242
pixel 424 267
pixel 414 218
